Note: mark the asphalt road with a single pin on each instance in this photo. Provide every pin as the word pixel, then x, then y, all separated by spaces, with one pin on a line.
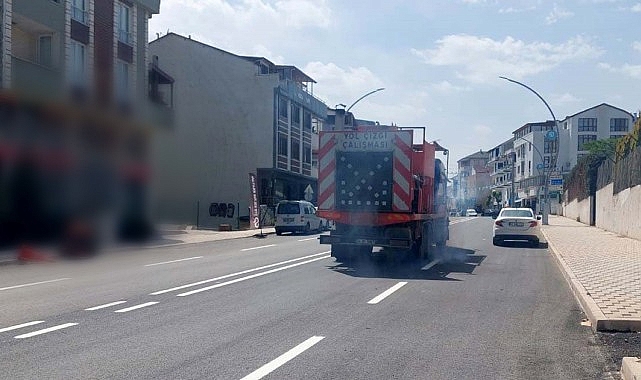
pixel 280 308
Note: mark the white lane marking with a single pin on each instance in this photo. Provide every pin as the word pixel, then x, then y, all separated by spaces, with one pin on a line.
pixel 135 307
pixel 174 261
pixel 105 305
pixel 235 274
pixel 35 283
pixel 262 246
pixel 431 264
pixel 284 358
pixel 44 331
pixel 311 238
pixel 15 327
pixel 250 277
pixel 386 293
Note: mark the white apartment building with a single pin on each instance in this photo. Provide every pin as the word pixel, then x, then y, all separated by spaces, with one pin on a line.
pixel 500 165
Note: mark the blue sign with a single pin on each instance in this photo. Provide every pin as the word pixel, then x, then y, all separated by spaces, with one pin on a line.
pixel 556 181
pixel 539 166
pixel 550 135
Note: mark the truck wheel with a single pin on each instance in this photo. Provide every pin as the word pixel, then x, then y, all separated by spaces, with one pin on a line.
pixel 340 252
pixel 279 232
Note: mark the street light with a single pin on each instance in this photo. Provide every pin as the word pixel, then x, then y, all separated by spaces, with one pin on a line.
pixel 545 202
pixel 362 97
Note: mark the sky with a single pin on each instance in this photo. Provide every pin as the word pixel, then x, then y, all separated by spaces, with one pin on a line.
pixel 438 60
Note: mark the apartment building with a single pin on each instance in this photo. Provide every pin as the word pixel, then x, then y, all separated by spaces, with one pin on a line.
pixel 602 121
pixel 73 96
pixel 474 179
pixel 500 163
pixel 234 115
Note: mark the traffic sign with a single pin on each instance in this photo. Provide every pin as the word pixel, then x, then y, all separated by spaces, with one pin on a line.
pixel 308 193
pixel 539 166
pixel 556 181
pixel 550 135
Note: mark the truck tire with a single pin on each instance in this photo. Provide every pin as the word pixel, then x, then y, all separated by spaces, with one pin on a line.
pixel 340 252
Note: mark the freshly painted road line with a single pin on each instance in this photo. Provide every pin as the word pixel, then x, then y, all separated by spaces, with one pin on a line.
pixel 311 238
pixel 174 261
pixel 105 305
pixel 431 264
pixel 386 293
pixel 35 283
pixel 250 277
pixel 135 307
pixel 235 274
pixel 15 327
pixel 44 331
pixel 262 246
pixel 284 358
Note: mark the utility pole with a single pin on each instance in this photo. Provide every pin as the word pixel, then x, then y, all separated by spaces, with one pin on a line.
pixel 513 156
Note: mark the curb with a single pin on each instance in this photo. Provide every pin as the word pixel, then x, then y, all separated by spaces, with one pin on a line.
pixel 631 368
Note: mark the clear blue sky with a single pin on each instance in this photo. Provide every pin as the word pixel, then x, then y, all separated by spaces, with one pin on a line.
pixel 439 60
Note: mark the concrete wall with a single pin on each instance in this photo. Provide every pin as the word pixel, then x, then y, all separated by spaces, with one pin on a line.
pixel 619 212
pixel 224 123
pixel 579 211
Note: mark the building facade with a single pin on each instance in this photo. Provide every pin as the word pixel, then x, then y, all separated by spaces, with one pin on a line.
pixel 473 179
pixel 233 115
pixel 501 162
pixel 596 123
pixel 73 76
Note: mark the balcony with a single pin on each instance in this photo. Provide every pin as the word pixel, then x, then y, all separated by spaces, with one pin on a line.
pixel 36 80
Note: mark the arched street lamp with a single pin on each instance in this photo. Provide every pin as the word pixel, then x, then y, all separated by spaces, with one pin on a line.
pixel 362 97
pixel 546 210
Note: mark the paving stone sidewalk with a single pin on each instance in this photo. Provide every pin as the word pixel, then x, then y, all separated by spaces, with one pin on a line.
pixel 604 270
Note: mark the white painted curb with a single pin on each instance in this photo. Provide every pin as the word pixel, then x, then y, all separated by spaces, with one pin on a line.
pixel 631 368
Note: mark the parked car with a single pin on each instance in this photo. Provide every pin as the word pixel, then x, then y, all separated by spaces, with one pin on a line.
pixel 519 224
pixel 296 216
pixel 490 212
pixel 471 212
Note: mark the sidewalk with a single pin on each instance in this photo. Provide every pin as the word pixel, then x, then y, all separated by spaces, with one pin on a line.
pixel 603 269
pixel 167 238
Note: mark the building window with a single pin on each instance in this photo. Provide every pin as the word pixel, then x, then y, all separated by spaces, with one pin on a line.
pixel 124 23
pixel 79 11
pixel 618 125
pixel 550 147
pixel 583 139
pixel 307 153
pixel 616 136
pixel 282 108
pixel 587 124
pixel 295 114
pixel 295 150
pixel 45 51
pixel 307 121
pixel 546 161
pixel 78 63
pixel 122 79
pixel 282 144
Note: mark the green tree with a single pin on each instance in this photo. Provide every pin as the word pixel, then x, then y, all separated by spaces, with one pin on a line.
pixel 600 150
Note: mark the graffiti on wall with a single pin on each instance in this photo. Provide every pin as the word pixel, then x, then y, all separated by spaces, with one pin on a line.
pixel 222 210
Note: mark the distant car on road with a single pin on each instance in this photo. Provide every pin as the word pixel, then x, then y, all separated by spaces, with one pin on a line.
pixel 518 224
pixel 490 212
pixel 471 212
pixel 297 216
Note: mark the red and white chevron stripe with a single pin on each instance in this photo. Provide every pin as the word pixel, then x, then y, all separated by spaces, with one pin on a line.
pixel 327 171
pixel 402 171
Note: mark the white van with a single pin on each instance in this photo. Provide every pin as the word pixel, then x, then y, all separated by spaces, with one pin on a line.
pixel 296 216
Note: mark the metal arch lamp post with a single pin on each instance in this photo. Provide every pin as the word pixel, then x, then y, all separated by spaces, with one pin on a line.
pixel 556 139
pixel 363 97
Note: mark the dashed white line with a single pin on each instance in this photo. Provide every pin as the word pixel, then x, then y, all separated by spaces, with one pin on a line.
pixel 174 261
pixel 312 238
pixel 284 358
pixel 105 305
pixel 15 327
pixel 44 331
pixel 250 277
pixel 262 246
pixel 386 293
pixel 235 274
pixel 34 283
pixel 135 307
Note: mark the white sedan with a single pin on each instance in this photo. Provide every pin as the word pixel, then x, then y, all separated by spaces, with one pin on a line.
pixel 517 224
pixel 471 212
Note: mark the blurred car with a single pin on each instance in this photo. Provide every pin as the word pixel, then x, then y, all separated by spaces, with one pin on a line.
pixel 518 224
pixel 490 212
pixel 471 212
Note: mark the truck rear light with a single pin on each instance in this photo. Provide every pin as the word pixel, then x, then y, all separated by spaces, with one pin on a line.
pixel 534 223
pixel 499 223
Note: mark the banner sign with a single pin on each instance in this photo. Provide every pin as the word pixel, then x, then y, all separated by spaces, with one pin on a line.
pixel 254 217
